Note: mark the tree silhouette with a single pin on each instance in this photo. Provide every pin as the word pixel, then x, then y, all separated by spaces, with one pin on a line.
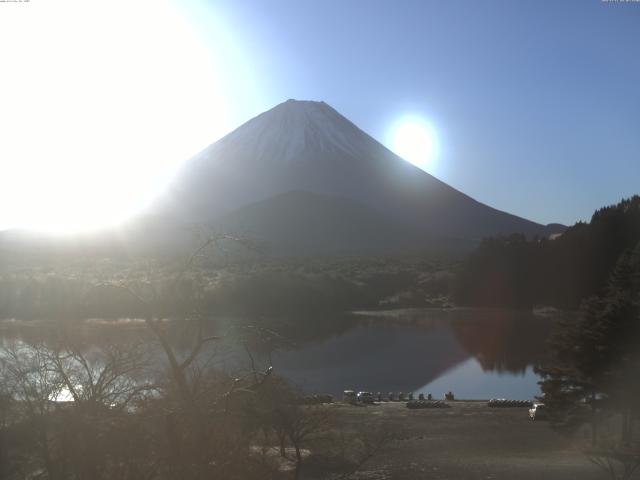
pixel 595 363
pixel 513 271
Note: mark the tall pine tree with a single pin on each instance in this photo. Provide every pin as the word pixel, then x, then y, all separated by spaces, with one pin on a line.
pixel 592 376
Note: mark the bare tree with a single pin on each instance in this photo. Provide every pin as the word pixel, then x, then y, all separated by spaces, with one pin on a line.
pixel 34 386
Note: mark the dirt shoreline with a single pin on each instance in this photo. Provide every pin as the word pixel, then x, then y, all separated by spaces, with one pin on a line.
pixel 469 440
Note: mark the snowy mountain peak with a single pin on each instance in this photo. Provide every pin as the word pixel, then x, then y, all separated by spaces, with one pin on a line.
pixel 292 103
pixel 307 146
pixel 288 130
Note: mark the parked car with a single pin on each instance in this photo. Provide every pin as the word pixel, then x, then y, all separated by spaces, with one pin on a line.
pixel 349 396
pixel 538 411
pixel 365 397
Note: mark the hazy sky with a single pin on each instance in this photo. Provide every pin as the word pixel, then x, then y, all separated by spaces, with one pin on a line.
pixel 536 104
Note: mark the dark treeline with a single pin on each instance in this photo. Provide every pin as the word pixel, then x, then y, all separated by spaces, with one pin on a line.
pixel 516 272
pixel 590 380
pixel 91 288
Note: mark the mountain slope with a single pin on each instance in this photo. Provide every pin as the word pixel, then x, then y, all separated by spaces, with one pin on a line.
pixel 307 223
pixel 308 146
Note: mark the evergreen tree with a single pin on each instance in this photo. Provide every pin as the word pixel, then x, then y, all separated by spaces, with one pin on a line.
pixel 516 272
pixel 592 375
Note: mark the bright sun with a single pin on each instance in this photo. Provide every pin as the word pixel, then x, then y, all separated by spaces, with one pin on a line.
pixel 414 140
pixel 100 102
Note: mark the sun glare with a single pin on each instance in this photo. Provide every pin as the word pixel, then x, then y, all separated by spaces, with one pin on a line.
pixel 100 102
pixel 415 140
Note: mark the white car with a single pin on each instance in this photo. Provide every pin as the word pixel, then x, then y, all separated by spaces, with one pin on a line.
pixel 538 411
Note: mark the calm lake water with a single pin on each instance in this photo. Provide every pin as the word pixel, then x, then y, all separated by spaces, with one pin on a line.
pixel 475 353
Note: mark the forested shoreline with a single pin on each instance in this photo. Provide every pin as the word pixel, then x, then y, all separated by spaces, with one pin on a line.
pixel 513 271
pixel 102 288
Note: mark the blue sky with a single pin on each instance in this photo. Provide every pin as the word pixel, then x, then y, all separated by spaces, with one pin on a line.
pixel 536 104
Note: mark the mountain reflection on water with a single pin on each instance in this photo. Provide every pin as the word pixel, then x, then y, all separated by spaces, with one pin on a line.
pixel 476 353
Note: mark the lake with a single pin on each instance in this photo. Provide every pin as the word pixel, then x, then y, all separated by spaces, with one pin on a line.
pixel 475 353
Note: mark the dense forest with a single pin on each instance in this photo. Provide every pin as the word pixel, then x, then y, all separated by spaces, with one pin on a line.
pixel 562 271
pixel 589 380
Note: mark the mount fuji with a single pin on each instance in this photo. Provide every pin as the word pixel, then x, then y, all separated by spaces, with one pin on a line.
pixel 304 179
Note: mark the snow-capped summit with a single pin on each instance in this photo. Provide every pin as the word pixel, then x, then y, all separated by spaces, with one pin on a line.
pixel 283 133
pixel 309 148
